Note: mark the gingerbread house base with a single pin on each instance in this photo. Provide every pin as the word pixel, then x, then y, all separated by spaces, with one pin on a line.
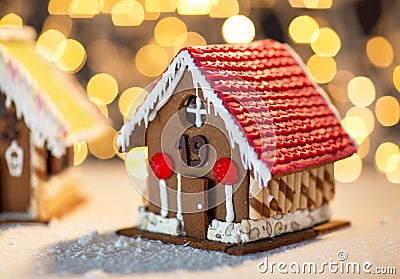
pixel 49 199
pixel 241 249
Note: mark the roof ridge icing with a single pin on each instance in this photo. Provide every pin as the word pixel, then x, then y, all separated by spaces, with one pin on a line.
pixel 265 80
pixel 163 90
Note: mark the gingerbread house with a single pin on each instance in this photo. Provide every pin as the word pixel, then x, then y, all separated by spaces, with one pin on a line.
pixel 42 112
pixel 241 145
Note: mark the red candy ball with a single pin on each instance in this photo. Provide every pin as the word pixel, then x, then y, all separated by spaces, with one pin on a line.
pixel 225 171
pixel 161 165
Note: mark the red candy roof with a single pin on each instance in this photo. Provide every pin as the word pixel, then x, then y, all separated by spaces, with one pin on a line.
pixel 265 89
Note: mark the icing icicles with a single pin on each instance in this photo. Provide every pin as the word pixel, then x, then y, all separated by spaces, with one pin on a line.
pixel 161 94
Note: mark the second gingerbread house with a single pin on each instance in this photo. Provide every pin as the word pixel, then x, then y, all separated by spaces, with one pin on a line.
pixel 42 112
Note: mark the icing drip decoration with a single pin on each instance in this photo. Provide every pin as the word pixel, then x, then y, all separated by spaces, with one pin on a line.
pixel 161 165
pixel 163 91
pixel 15 159
pixel 225 172
pixel 179 215
pixel 39 113
pixel 264 78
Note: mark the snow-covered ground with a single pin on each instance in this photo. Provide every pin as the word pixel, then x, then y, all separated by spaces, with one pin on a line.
pixel 83 244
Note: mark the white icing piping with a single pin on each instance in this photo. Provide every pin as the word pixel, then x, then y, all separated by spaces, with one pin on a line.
pixel 26 33
pixel 179 215
pixel 43 125
pixel 163 198
pixel 151 222
pixel 230 214
pixel 319 89
pixel 253 230
pixel 246 231
pixel 163 91
pixel 198 111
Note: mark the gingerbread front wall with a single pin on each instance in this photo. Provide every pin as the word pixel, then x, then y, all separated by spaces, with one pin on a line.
pixel 163 134
pixel 14 190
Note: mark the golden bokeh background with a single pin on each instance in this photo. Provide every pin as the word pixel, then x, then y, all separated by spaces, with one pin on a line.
pixel 118 47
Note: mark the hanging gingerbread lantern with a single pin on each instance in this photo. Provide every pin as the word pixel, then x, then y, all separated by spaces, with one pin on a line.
pixel 15 159
pixel 225 173
pixel 161 164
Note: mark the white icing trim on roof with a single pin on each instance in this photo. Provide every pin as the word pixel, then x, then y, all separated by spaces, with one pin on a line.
pixel 45 123
pixel 321 91
pixel 164 89
pixel 25 33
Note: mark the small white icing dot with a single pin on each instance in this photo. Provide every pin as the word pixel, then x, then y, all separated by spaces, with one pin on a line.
pixel 199 206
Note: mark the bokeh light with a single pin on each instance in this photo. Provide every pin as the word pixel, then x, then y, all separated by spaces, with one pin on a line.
pixel 349 169
pixel 193 7
pixel 387 111
pixel 151 15
pixel 151 9
pixel 102 86
pixel 80 152
pixel 163 6
pixel 152 6
pixel 311 4
pixel 364 148
pixel 73 58
pixel 383 154
pixel 136 162
pixel 127 13
pixel 58 7
pixel 321 69
pixel 100 105
pixel 83 8
pixel 302 28
pixel 168 30
pixel 51 44
pixel 393 169
pixel 107 5
pixel 396 78
pixel 380 51
pixel 361 91
pixel 224 8
pixel 325 42
pixel 189 39
pixel 338 86
pixel 151 60
pixel 238 29
pixel 356 127
pixel 62 24
pixel 11 20
pixel 364 113
pixel 130 99
pixel 99 62
pixel 103 147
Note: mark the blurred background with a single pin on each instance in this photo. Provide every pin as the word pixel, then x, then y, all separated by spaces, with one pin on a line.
pixel 117 47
